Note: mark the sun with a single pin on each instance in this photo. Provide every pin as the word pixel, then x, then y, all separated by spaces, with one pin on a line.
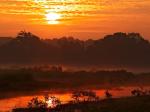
pixel 53 18
pixel 51 15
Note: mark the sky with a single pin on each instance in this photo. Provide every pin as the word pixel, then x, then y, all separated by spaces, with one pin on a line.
pixel 81 19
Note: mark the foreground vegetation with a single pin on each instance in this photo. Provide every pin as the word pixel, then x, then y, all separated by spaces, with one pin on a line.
pixel 128 104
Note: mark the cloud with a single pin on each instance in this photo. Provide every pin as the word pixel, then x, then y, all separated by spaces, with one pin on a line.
pixel 71 7
pixel 88 15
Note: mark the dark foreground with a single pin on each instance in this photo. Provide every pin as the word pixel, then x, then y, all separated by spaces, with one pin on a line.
pixel 130 104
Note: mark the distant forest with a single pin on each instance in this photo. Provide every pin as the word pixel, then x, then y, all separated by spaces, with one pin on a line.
pixel 28 80
pixel 118 50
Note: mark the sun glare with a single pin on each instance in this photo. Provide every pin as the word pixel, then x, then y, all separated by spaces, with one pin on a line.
pixel 53 18
pixel 53 11
pixel 50 103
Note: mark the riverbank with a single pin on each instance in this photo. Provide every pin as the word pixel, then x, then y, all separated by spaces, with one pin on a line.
pixel 127 104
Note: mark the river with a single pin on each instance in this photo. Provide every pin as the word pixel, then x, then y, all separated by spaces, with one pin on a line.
pixel 7 104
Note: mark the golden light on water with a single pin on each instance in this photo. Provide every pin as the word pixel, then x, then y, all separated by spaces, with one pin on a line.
pixel 49 103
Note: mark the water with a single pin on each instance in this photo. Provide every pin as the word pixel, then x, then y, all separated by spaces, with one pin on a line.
pixel 6 105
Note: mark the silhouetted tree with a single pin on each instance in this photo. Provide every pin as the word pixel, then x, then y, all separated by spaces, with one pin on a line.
pixel 36 103
pixel 136 92
pixel 23 35
pixel 80 96
pixel 118 50
pixel 48 102
pixel 108 94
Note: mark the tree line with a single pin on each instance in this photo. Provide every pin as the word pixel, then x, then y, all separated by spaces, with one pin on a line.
pixel 116 50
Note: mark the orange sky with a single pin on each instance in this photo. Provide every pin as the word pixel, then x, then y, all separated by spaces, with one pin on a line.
pixel 79 18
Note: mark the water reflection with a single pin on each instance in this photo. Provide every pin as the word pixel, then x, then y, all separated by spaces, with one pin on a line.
pixel 21 101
